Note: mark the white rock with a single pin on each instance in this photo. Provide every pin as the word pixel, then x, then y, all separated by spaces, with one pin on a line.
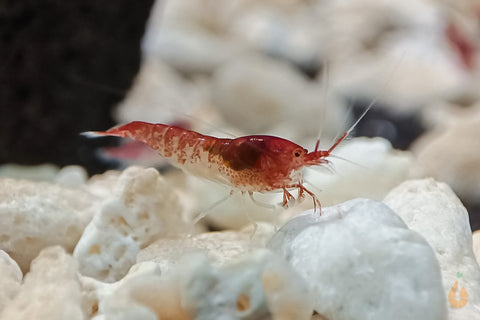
pixel 68 176
pixel 160 95
pixel 194 36
pixel 96 294
pixel 221 247
pixel 51 289
pixel 145 297
pixel 433 210
pixel 362 262
pixel 191 35
pixel 142 208
pixel 282 29
pixel 43 172
pixel 279 99
pixel 10 279
pixel 102 185
pixel 402 59
pixel 71 176
pixel 376 167
pixel 34 215
pixel 260 286
pixel 451 154
pixel 476 245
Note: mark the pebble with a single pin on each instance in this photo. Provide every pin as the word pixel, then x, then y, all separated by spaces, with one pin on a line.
pixel 361 261
pixel 434 211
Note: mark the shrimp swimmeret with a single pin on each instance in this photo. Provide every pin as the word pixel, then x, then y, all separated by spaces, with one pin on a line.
pixel 256 163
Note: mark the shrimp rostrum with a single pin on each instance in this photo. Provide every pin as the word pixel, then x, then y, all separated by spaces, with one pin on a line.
pixel 256 163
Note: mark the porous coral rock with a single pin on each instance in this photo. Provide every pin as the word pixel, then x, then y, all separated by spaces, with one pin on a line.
pixel 35 215
pixel 141 209
pixel 97 293
pixel 433 210
pixel 259 286
pixel 362 262
pixel 102 185
pixel 221 247
pixel 10 279
pixel 145 296
pixel 51 290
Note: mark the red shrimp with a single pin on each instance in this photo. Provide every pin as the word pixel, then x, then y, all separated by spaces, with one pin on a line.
pixel 256 163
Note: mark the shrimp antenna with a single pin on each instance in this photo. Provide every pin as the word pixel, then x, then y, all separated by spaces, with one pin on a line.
pixel 325 81
pixel 323 169
pixel 349 161
pixel 347 133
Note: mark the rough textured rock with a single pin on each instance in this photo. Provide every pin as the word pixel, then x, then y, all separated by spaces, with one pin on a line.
pixel 141 209
pixel 97 294
pixel 10 279
pixel 102 185
pixel 259 286
pixel 221 247
pixel 144 296
pixel 362 262
pixel 51 290
pixel 434 211
pixel 36 215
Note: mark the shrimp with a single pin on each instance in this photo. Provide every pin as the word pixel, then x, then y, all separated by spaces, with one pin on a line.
pixel 255 163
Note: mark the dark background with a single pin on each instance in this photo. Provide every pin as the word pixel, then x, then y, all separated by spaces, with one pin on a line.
pixel 63 66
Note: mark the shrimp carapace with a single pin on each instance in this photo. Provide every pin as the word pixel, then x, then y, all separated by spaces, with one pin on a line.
pixel 257 163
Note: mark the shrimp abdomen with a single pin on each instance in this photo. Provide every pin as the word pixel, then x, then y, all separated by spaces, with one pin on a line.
pixel 189 150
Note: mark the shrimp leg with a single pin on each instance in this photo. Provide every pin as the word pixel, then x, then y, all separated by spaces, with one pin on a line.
pixel 301 191
pixel 287 196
